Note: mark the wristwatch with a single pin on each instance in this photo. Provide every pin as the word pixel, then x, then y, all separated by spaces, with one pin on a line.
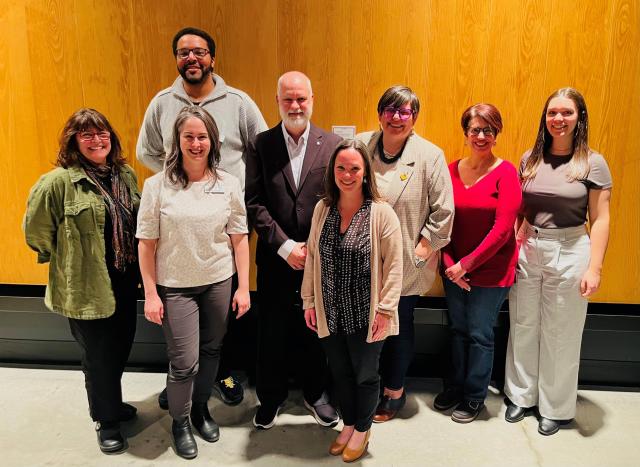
pixel 419 262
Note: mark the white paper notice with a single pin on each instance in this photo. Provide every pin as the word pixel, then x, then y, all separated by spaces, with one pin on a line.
pixel 345 131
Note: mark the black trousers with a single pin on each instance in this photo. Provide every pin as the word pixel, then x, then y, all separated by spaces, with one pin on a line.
pixel 105 344
pixel 284 341
pixel 356 382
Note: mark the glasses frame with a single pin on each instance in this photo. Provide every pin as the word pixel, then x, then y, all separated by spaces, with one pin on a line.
pixel 103 135
pixel 389 112
pixel 181 51
pixel 487 131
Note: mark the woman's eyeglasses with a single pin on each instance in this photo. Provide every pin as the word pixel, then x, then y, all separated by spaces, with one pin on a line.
pixel 403 113
pixel 88 136
pixel 487 131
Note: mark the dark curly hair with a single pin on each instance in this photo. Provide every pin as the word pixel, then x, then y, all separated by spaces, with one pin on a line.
pixel 83 120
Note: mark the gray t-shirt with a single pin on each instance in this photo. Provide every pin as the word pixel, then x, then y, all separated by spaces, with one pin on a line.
pixel 550 201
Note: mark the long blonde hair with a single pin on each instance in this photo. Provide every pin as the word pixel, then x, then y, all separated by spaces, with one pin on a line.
pixel 578 168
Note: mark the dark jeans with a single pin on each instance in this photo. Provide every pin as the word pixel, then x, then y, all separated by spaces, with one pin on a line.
pixel 472 316
pixel 194 325
pixel 105 345
pixel 397 352
pixel 354 367
pixel 284 341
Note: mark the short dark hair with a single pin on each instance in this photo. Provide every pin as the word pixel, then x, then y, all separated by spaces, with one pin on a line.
pixel 369 187
pixel 195 32
pixel 487 112
pixel 82 120
pixel 174 170
pixel 397 96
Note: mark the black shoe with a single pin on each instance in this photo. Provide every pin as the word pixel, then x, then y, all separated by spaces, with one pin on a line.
pixel 514 413
pixel 324 413
pixel 230 390
pixel 163 401
pixel 448 398
pixel 183 439
pixel 265 416
pixel 127 412
pixel 388 408
pixel 204 422
pixel 109 437
pixel 467 411
pixel 548 427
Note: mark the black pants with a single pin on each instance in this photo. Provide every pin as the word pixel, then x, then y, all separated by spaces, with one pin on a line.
pixel 105 344
pixel 397 352
pixel 284 341
pixel 354 368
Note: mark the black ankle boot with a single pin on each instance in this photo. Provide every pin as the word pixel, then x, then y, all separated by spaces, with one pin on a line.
pixel 204 422
pixel 109 437
pixel 186 446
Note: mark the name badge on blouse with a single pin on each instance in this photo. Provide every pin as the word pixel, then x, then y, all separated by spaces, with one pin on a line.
pixel 214 188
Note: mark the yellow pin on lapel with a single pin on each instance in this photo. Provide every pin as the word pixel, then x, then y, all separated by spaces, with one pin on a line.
pixel 403 176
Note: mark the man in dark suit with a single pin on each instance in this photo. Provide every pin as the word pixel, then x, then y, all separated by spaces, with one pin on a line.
pixel 285 171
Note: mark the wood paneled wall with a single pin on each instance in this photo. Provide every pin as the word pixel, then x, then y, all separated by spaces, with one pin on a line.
pixel 59 55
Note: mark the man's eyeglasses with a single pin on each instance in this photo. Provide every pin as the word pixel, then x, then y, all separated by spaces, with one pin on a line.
pixel 199 52
pixel 403 113
pixel 88 136
pixel 487 131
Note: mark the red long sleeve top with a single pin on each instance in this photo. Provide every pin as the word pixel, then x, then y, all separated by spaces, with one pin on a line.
pixel 483 237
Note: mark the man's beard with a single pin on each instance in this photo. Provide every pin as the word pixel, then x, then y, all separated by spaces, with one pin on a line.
pixel 298 121
pixel 206 72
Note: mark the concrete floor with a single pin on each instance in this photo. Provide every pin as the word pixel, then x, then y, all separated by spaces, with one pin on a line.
pixel 45 423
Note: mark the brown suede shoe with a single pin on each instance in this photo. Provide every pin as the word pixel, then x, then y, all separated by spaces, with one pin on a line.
pixel 352 455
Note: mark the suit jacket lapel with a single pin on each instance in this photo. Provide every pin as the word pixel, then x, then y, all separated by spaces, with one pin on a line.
pixel 399 182
pixel 313 146
pixel 404 171
pixel 285 161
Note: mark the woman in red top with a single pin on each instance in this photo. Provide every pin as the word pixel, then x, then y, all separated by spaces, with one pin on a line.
pixel 479 263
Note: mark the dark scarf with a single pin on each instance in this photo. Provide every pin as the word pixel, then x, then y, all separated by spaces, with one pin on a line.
pixel 118 201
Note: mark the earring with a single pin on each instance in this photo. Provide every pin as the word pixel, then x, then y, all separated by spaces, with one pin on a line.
pixel 364 180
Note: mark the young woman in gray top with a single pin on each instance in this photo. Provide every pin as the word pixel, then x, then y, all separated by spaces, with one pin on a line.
pixel 559 265
pixel 192 228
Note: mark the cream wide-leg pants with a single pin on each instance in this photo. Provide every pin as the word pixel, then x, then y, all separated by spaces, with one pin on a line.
pixel 547 315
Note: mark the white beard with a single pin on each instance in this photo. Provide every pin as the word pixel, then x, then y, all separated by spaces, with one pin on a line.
pixel 298 121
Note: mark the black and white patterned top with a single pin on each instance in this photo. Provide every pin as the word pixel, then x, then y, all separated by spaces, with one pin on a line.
pixel 345 262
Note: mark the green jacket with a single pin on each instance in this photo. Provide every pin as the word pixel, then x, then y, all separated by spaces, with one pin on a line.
pixel 64 224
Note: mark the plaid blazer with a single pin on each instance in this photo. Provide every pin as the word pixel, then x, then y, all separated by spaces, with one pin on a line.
pixel 422 197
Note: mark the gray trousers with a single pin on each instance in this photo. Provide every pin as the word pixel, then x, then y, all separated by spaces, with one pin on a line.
pixel 194 325
pixel 547 315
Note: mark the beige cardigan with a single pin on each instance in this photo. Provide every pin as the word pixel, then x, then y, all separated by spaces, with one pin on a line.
pixel 386 267
pixel 421 195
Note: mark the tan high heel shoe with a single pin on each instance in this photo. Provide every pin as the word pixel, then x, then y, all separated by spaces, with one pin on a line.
pixel 336 448
pixel 351 455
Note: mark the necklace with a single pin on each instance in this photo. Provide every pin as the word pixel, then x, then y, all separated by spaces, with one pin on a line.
pixel 383 153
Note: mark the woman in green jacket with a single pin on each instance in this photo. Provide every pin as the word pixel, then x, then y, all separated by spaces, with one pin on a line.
pixel 81 219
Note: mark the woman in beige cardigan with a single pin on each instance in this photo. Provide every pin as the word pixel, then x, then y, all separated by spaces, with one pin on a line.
pixel 351 287
pixel 412 175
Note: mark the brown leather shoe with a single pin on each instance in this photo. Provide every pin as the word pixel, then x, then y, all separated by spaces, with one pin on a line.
pixel 336 448
pixel 388 408
pixel 352 455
